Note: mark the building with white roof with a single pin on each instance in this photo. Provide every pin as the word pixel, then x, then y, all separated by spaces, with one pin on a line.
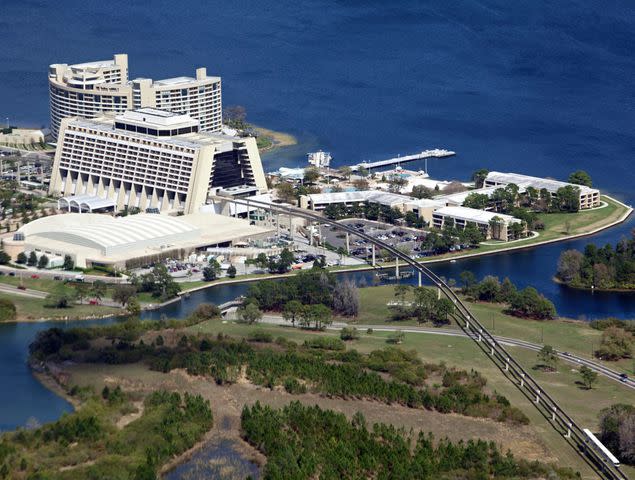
pixel 460 217
pixel 319 201
pixel 589 197
pixel 88 89
pixel 150 159
pixel 94 239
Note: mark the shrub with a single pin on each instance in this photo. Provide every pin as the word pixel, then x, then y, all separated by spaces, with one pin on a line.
pixel 260 336
pixel 206 311
pixel 349 333
pixel 7 310
pixel 325 343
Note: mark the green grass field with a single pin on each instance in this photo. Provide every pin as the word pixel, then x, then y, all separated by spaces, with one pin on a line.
pixel 30 309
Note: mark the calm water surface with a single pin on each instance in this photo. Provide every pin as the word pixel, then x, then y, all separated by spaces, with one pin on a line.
pixel 540 87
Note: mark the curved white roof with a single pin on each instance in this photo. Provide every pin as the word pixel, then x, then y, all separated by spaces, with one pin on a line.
pixel 109 234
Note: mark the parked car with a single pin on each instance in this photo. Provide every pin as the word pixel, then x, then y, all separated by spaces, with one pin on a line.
pixel 623 377
pixel 21 287
pixel 35 275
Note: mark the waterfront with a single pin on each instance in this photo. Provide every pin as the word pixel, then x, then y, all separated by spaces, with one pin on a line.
pixel 508 89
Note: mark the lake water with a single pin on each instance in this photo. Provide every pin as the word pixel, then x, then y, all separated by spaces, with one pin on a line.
pixel 539 87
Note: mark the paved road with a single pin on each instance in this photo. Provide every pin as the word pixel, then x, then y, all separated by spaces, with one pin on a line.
pixel 27 272
pixel 513 342
pixel 4 288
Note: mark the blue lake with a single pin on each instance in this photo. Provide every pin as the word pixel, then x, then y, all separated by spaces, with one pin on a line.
pixel 539 87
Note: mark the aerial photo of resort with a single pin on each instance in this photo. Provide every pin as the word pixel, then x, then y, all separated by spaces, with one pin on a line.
pixel 317 240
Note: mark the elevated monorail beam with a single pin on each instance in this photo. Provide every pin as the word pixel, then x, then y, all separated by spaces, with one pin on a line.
pixel 546 405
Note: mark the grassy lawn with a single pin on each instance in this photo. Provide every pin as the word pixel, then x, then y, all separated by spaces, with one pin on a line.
pixel 583 405
pixel 563 334
pixel 34 309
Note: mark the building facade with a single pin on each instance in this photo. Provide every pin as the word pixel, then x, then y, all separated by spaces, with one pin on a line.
pixel 150 159
pixel 89 89
pixel 493 225
pixel 589 197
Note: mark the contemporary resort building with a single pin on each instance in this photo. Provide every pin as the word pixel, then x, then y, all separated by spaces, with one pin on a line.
pixel 88 89
pixel 149 159
pixel 589 197
pixel 493 225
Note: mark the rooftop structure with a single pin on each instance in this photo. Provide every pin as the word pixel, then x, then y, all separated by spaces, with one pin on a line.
pixel 151 159
pixel 319 201
pixel 88 89
pixel 94 239
pixel 457 199
pixel 589 197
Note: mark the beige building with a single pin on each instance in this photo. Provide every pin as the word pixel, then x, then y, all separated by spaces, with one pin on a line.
pixel 149 159
pixel 493 225
pixel 589 197
pixel 88 89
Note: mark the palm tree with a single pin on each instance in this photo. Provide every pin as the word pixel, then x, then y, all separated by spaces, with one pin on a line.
pixel 495 225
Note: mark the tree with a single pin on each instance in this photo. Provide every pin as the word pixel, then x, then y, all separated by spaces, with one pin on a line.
pixel 531 304
pixel 98 290
pixel 421 191
pixel 616 344
pixel 548 357
pixel 346 299
pixel 68 263
pixel 424 304
pixel 311 174
pixel 580 177
pixel 496 227
pixel 292 310
pixel 262 260
pixel 589 377
pixel 43 262
pixel 346 171
pixel 21 258
pixel 442 311
pixel 212 270
pixel 349 333
pixel 123 293
pixel 4 257
pixel 479 176
pixel 32 261
pixel 286 192
pixel 468 279
pixel 231 271
pixel 479 201
pixel 134 307
pixel 401 290
pixel 320 315
pixel 163 285
pixel 567 199
pixel 569 265
pixel 617 431
pixel 249 313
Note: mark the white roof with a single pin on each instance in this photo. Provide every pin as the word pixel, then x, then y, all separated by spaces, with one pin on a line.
pixel 375 196
pixel 459 197
pixel 106 233
pixel 535 182
pixel 474 215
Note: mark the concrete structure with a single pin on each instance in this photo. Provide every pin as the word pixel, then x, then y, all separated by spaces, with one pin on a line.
pixel 88 89
pixel 462 217
pixel 424 208
pixel 93 239
pixel 589 197
pixel 457 199
pixel 319 201
pixel 151 158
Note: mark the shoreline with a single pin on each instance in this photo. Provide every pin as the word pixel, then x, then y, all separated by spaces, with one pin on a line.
pixel 362 268
pixel 279 139
pixel 595 289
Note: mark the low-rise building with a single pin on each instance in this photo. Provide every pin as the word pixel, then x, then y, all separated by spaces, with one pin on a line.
pixel 493 225
pixel 319 201
pixel 589 197
pixel 103 240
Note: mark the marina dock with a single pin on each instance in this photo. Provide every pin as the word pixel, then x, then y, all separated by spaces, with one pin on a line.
pixel 435 153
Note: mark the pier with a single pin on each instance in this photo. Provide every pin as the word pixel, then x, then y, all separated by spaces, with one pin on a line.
pixel 435 153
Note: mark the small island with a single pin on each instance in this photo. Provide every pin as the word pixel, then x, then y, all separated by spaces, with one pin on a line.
pixel 599 268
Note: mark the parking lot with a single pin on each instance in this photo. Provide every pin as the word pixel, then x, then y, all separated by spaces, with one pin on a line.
pixel 406 239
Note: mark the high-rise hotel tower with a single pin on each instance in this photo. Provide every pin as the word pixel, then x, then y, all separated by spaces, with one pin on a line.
pixel 89 89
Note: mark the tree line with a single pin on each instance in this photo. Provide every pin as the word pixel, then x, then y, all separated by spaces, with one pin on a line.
pixel 525 303
pixel 304 442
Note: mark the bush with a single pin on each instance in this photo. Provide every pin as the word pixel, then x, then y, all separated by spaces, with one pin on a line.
pixel 293 386
pixel 206 311
pixel 260 336
pixel 7 310
pixel 325 343
pixel 349 333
